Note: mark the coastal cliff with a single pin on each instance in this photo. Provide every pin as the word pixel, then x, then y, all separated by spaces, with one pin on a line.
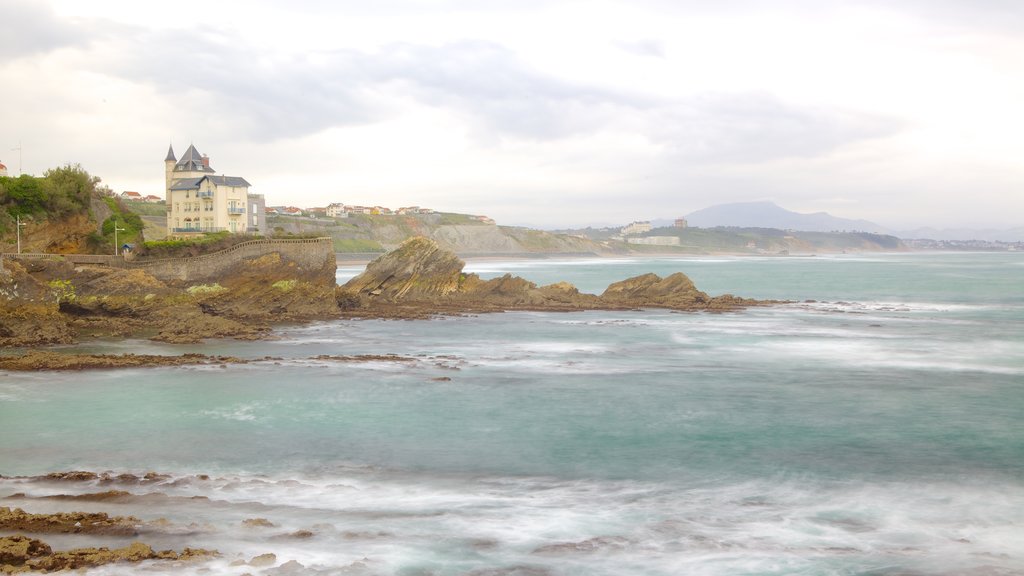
pixel 420 279
pixel 54 301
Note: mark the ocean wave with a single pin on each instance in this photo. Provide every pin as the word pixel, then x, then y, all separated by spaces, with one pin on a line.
pixel 397 519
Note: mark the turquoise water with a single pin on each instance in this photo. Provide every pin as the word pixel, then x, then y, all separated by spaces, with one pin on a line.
pixel 876 430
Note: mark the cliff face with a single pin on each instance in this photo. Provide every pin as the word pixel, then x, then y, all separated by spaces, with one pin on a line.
pixel 29 311
pixel 420 278
pixel 51 301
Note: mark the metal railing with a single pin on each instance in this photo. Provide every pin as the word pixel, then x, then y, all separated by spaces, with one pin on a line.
pixel 198 229
pixel 236 210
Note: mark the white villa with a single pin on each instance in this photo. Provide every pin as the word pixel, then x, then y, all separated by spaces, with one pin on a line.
pixel 199 200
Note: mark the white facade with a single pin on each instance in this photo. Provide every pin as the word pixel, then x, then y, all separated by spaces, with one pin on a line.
pixel 655 241
pixel 636 228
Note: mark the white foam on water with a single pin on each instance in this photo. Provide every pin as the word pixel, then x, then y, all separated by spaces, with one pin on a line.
pixel 400 520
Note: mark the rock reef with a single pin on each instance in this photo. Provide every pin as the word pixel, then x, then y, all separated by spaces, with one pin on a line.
pixel 21 554
pixel 420 279
pixel 51 301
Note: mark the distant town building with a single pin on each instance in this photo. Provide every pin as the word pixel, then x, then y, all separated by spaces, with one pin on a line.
pixel 655 240
pixel 3 169
pixel 199 200
pixel 636 228
pixel 257 214
pixel 336 210
pixel 126 195
pixel 152 198
pixel 681 223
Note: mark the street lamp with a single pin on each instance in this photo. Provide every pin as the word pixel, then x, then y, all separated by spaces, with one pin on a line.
pixel 18 226
pixel 116 230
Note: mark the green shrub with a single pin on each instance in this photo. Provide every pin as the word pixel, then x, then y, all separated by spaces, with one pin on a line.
pixel 204 289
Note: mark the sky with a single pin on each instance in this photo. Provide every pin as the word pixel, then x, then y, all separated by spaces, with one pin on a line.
pixel 542 113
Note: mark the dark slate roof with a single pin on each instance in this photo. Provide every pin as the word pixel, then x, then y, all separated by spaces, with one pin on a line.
pixel 235 181
pixel 170 154
pixel 186 183
pixel 192 161
pixel 193 183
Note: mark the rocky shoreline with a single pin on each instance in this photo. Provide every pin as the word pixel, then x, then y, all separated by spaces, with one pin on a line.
pixel 23 548
pixel 49 302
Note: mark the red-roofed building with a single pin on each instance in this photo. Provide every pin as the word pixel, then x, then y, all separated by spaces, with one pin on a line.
pixel 3 170
pixel 131 195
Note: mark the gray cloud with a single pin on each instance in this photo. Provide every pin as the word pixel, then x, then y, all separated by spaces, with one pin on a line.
pixel 756 127
pixel 282 98
pixel 28 28
pixel 486 83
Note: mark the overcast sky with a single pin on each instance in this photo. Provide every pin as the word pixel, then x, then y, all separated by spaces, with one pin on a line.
pixel 537 112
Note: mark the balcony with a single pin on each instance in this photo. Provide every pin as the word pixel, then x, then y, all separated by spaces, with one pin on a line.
pixel 205 194
pixel 236 209
pixel 197 229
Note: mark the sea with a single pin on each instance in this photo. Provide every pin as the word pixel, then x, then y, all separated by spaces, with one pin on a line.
pixel 872 426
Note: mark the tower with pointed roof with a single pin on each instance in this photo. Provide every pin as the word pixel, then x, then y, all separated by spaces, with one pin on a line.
pixel 199 200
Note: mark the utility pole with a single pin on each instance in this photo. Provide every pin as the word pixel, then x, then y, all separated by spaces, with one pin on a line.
pixel 18 226
pixel 116 230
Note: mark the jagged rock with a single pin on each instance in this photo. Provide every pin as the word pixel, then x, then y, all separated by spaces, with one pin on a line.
pixel 17 550
pixel 21 554
pixel 49 301
pixel 417 270
pixel 29 311
pixel 17 520
pixel 419 279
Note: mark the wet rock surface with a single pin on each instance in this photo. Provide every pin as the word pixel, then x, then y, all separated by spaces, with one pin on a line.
pixel 19 554
pixel 17 520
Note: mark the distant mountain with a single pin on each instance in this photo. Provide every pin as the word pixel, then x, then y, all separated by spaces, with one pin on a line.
pixel 771 215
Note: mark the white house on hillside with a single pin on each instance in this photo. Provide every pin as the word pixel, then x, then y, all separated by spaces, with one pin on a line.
pixel 199 200
pixel 636 228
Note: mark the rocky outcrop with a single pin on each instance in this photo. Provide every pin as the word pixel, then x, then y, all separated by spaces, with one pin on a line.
pixel 29 311
pixel 17 520
pixel 20 554
pixel 51 301
pixel 43 360
pixel 420 278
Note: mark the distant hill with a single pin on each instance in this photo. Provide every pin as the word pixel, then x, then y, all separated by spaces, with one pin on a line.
pixel 771 215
